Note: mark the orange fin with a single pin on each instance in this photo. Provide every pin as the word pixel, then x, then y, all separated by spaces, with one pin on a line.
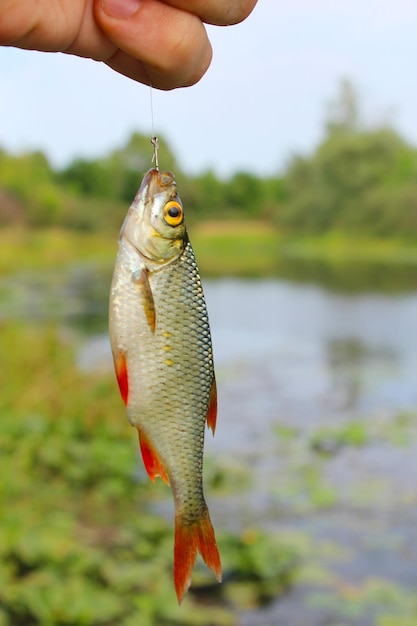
pixel 212 407
pixel 141 279
pixel 120 366
pixel 190 539
pixel 151 460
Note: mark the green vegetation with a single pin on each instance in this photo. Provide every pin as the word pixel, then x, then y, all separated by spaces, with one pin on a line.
pixel 390 604
pixel 344 215
pixel 306 487
pixel 360 181
pixel 24 250
pixel 331 588
pixel 329 440
pixel 249 249
pixel 79 544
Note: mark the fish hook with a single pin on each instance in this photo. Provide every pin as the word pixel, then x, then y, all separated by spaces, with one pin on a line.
pixel 154 142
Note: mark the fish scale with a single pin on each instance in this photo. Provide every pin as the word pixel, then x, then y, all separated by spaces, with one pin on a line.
pixel 161 344
pixel 184 386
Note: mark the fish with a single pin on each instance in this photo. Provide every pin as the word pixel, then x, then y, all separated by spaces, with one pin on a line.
pixel 163 358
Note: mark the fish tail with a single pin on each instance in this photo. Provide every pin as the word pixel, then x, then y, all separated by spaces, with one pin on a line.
pixel 190 538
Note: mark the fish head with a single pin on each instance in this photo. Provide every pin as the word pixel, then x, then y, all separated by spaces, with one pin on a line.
pixel 154 224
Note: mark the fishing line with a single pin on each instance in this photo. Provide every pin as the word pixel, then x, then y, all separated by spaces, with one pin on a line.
pixel 152 114
pixel 154 138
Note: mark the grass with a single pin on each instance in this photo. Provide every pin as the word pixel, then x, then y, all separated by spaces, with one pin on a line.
pixel 46 249
pixel 245 248
pixel 79 544
pixel 239 249
pixel 339 247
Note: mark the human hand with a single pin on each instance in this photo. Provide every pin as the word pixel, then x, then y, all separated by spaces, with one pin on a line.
pixel 158 42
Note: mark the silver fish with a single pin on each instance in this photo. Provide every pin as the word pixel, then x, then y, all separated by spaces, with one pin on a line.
pixel 161 344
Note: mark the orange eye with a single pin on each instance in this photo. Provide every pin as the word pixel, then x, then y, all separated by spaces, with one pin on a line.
pixel 173 213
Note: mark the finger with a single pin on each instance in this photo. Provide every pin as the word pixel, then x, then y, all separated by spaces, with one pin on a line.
pixel 39 25
pixel 217 12
pixel 159 44
pixel 51 26
pixel 21 23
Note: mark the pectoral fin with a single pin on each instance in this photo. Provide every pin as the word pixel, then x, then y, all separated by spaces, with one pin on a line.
pixel 151 460
pixel 141 278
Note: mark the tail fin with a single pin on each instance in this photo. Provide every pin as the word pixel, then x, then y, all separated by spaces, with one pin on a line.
pixel 190 538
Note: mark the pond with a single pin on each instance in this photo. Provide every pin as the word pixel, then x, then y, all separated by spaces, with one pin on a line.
pixel 314 391
pixel 317 423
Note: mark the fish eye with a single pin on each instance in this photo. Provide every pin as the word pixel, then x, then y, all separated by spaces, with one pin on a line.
pixel 173 213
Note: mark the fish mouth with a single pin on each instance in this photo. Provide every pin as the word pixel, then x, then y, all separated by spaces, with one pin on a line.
pixel 156 182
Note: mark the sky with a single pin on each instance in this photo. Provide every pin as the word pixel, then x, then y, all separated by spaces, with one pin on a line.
pixel 263 99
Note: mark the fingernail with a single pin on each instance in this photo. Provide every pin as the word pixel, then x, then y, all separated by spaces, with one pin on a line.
pixel 120 8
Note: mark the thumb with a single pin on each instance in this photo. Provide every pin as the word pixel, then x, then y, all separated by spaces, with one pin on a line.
pixel 154 43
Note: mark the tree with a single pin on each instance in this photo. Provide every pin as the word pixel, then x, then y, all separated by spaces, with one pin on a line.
pixel 244 193
pixel 343 113
pixel 354 182
pixel 29 179
pixel 118 175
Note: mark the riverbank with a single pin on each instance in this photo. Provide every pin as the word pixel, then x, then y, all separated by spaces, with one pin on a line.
pixel 310 478
pixel 246 249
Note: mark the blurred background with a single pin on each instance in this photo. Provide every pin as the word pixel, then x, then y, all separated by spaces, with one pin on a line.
pixel 296 161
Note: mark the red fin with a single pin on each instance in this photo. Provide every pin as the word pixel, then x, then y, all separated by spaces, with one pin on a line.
pixel 151 459
pixel 120 366
pixel 212 407
pixel 190 539
pixel 141 278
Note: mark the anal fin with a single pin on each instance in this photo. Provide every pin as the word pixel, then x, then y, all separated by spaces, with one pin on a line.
pixel 151 460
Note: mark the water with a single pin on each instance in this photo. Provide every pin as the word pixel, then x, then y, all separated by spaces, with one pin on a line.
pixel 300 353
pixel 287 349
pixel 304 358
pixel 293 359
